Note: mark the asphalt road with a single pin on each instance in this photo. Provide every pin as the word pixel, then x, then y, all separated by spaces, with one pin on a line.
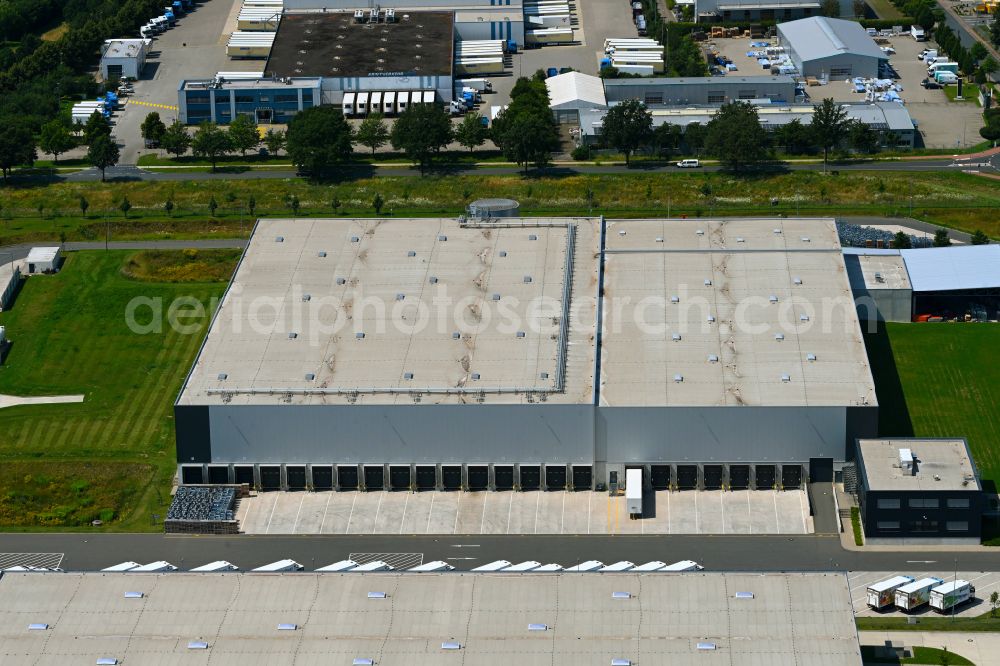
pixel 747 553
pixel 128 172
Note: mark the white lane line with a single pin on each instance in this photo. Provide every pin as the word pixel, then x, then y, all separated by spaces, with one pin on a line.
pixel 347 529
pixel 562 517
pixel 749 515
pixel 697 529
pixel 802 514
pixel 538 499
pixel 510 509
pixel 722 508
pixel 427 529
pixel 777 522
pixel 402 521
pixel 590 498
pixel 482 521
pixel 295 525
pixel 458 508
pixel 268 528
pixel 381 496
pixel 325 511
pixel 670 530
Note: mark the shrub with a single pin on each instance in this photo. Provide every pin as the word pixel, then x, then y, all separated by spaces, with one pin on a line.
pixel 859 539
pixel 581 153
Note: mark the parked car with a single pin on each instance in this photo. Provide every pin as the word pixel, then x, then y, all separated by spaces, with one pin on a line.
pixel 688 164
pixel 930 84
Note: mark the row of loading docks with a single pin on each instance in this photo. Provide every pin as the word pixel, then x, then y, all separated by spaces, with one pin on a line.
pixel 491 477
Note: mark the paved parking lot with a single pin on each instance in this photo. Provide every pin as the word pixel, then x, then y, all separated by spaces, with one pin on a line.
pixel 985 584
pixel 690 512
pixel 195 48
pixel 942 124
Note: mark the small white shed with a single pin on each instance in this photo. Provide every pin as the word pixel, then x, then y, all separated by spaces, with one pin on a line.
pixel 43 260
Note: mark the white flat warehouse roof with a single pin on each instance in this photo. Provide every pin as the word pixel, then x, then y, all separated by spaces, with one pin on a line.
pixel 400 307
pixel 730 312
pixel 38 255
pixel 942 464
pixel 791 619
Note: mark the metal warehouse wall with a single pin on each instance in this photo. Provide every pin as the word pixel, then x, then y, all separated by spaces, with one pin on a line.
pixel 729 434
pixel 340 5
pixel 671 92
pixel 860 66
pixel 400 433
pixel 442 84
pixel 470 30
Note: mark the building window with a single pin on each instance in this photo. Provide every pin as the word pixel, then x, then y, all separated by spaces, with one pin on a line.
pixel 888 524
pixel 286 98
pixel 958 526
pixel 716 97
pixel 654 98
pixel 244 99
pixel 840 72
pixel 924 526
pixel 747 94
pixel 954 503
pixel 198 99
pixel 886 503
pixel 922 503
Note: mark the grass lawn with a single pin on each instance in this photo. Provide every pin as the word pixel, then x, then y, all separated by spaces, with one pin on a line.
pixel 184 266
pixel 941 380
pixel 884 9
pixel 970 94
pixel 112 456
pixel 931 622
pixel 921 655
pixel 957 200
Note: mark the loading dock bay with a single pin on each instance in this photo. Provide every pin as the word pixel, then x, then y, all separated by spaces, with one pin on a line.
pixel 553 512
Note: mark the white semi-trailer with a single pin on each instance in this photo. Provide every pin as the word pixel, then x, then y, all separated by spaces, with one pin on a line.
pixel 882 593
pixel 633 492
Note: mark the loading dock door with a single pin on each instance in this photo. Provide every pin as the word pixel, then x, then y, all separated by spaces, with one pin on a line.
pixel 322 476
pixel 555 477
pixel 192 475
pixel 347 477
pixel 659 477
pixel 687 477
pixel 451 477
pixel 713 477
pixel 399 477
pixel 218 474
pixel 791 476
pixel 244 474
pixel 503 477
pixel 820 470
pixel 426 477
pixel 531 477
pixel 374 477
pixel 270 477
pixel 295 477
pixel 479 477
pixel 763 477
pixel 583 477
pixel 739 477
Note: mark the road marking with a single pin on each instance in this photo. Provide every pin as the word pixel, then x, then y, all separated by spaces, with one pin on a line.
pixel 749 515
pixel 427 529
pixel 510 509
pixel 482 521
pixel 802 514
pixel 394 560
pixel 562 516
pixel 295 525
pixel 777 522
pixel 150 104
pixel 347 528
pixel 402 521
pixel 538 499
pixel 325 511
pixel 381 496
pixel 670 529
pixel 271 515
pixel 590 498
pixel 921 561
pixel 722 508
pixel 466 545
pixel 46 560
pixel 458 508
pixel 696 522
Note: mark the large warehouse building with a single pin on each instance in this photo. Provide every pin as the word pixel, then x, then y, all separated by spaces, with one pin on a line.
pixel 442 354
pixel 831 48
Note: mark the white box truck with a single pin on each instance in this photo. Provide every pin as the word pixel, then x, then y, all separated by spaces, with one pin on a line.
pixel 402 101
pixel 349 104
pixel 154 567
pixel 389 103
pixel 499 565
pixel 482 85
pixel 216 567
pixel 881 594
pixel 342 565
pixel 589 565
pixel 124 566
pixel 375 104
pixel 949 595
pixel 617 567
pixel 914 595
pixel 633 492
pixel 683 565
pixel 375 565
pixel 362 104
pixel 918 33
pixel 431 567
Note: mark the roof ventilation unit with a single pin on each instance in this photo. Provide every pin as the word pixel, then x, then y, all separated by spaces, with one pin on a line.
pixel 806 239
pixel 708 283
pixel 740 239
pixel 134 595
pixel 678 379
pixel 772 298
pixel 322 254
pixel 676 337
pixel 520 334
pixel 451 646
pixel 700 232
pixel 810 357
pixel 675 299
pixel 797 280
pixel 341 280
pixel 710 319
pixel 400 297
pixel 287 626
pixel 804 317
pixel 779 336
pixel 292 335
pixel 475 376
pixel 496 297
pixel 106 661
pixel 197 645
pixel 359 336
pixel 223 376
pixel 527 279
pixel 777 230
pixel 355 239
pixel 786 378
pixel 279 239
pixel 306 297
pixel 442 237
pixel 503 253
pixel 712 358
pixel 706 646
pixel 37 626
pixel 744 595
pixel 537 627
pixel 544 375
pixel 360 661
pixel 621 232
pixel 659 239
pixel 433 279
pixel 621 595
pixel 621 662
pixel 310 376
pixel 376 595
pixel 407 375
pixel 411 253
pixel 456 335
pixel 532 237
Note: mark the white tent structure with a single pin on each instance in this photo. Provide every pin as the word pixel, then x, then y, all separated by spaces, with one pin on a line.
pixel 570 92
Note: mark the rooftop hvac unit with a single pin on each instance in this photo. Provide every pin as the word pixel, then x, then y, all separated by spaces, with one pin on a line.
pixel 390 16
pixel 359 15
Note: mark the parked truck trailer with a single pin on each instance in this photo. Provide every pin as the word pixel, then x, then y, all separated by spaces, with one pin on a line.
pixel 950 595
pixel 914 595
pixel 882 594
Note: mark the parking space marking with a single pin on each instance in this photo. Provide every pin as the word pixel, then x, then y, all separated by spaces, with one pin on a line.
pixel 457 509
pixel 402 521
pixel 802 512
pixel 510 509
pixel 722 508
pixel 271 515
pixel 427 529
pixel 326 509
pixel 46 560
pixel 482 520
pixel 351 515
pixel 777 520
pixel 377 510
pixel 295 525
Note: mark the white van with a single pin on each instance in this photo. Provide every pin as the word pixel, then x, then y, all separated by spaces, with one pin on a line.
pixel 688 164
pixel 918 33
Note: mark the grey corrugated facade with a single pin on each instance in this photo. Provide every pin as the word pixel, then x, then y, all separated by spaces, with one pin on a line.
pixel 604 438
pixel 700 90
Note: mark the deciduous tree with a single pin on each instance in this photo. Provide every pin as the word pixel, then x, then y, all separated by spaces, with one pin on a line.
pixel 243 134
pixel 211 142
pixel 55 139
pixel 735 136
pixel 829 125
pixel 103 153
pixel 421 132
pixel 318 139
pixel 372 133
pixel 627 126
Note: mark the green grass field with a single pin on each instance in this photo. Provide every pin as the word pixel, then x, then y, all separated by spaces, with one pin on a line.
pixel 931 622
pixel 69 335
pixel 941 380
pixel 921 655
pixel 51 212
